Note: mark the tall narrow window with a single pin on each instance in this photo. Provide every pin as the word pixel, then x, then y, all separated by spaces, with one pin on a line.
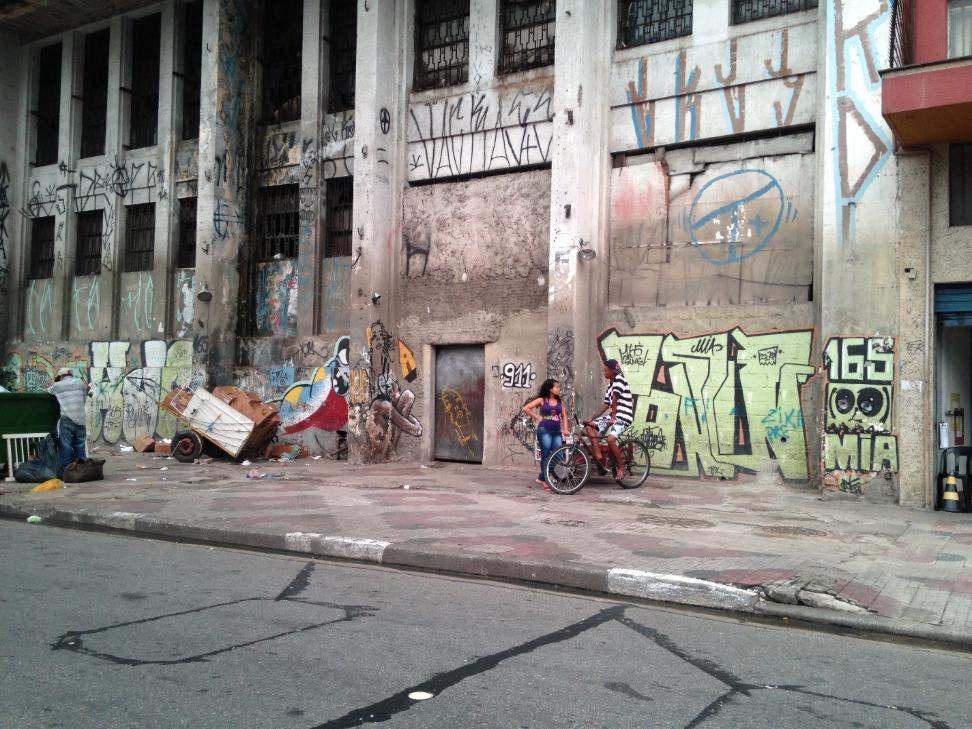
pixel 340 203
pixel 441 43
pixel 283 25
pixel 145 82
pixel 41 248
pixel 94 90
pixel 48 104
pixel 89 243
pixel 528 34
pixel 743 11
pixel 960 184
pixel 140 237
pixel 278 223
pixel 187 233
pixel 959 28
pixel 191 69
pixel 343 45
pixel 649 21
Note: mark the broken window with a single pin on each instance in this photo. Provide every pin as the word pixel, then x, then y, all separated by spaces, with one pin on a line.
pixel 283 23
pixel 743 11
pixel 41 248
pixel 48 105
pixel 94 102
pixel 186 257
pixel 277 234
pixel 527 30
pixel 343 32
pixel 144 95
pixel 139 237
pixel 441 43
pixel 191 69
pixel 89 243
pixel 340 203
pixel 650 21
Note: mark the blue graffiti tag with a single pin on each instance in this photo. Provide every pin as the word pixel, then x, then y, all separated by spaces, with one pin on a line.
pixel 762 230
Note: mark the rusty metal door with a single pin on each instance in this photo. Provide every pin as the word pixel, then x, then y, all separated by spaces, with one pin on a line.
pixel 460 384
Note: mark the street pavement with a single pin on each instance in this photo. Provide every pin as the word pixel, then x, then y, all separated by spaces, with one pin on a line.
pixel 103 630
pixel 877 566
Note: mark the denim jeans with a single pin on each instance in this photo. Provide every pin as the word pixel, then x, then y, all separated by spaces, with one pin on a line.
pixel 549 441
pixel 72 438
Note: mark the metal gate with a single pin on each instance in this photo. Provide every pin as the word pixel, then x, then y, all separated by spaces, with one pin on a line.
pixel 460 382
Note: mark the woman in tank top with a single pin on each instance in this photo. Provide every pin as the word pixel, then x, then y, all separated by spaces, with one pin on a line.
pixel 552 423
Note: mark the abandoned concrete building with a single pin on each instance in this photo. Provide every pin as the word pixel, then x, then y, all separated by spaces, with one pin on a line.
pixel 396 218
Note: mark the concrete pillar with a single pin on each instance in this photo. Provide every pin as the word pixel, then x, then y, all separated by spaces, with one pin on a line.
pixel 578 198
pixel 226 124
pixel 382 79
pixel 69 139
pixel 166 205
pixel 116 126
pixel 13 117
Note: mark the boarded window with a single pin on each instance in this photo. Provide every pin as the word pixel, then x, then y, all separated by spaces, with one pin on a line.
pixel 343 44
pixel 89 243
pixel 441 43
pixel 340 204
pixel 283 24
pixel 94 102
pixel 48 104
pixel 140 237
pixel 278 223
pixel 960 184
pixel 191 69
pixel 528 34
pixel 41 248
pixel 187 233
pixel 743 11
pixel 145 82
pixel 649 21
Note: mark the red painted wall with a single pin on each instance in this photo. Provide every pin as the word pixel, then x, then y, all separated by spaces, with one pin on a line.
pixel 931 31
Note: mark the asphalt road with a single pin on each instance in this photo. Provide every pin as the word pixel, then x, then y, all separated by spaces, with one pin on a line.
pixel 100 630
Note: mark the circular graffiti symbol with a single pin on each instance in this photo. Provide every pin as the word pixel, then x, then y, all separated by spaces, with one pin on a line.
pixel 742 209
pixel 384 119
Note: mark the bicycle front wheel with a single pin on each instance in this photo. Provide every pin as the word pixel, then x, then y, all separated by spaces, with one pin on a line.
pixel 567 470
pixel 637 464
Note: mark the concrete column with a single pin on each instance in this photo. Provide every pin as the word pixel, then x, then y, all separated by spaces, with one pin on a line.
pixel 166 205
pixel 578 197
pixel 69 138
pixel 226 126
pixel 484 41
pixel 13 126
pixel 383 76
pixel 116 127
pixel 313 68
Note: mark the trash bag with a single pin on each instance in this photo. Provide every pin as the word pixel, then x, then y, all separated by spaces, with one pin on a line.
pixel 90 470
pixel 45 465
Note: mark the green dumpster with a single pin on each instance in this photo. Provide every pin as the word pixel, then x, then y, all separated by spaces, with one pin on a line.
pixel 26 412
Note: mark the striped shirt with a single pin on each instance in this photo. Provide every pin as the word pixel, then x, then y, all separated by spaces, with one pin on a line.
pixel 619 387
pixel 70 393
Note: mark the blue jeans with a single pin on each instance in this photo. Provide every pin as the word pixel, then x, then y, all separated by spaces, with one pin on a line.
pixel 549 441
pixel 72 438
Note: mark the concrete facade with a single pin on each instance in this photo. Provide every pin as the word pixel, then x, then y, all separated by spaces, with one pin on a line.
pixel 762 249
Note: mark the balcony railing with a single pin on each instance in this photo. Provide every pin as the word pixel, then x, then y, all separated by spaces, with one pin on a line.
pixel 902 33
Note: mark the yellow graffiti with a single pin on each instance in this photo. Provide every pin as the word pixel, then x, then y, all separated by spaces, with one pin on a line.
pixel 406 359
pixel 457 410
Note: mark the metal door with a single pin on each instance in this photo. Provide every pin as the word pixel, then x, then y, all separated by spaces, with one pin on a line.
pixel 460 383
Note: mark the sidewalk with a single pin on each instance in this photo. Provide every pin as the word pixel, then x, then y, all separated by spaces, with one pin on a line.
pixel 747 545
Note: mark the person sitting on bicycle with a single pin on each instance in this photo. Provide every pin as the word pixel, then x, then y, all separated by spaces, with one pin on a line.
pixel 615 418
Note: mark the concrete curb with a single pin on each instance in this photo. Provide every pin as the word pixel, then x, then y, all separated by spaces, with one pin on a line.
pixel 623 582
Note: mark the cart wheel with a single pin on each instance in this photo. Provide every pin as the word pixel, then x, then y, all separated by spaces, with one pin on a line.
pixel 186 446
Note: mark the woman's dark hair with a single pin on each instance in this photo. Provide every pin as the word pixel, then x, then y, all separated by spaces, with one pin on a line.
pixel 546 387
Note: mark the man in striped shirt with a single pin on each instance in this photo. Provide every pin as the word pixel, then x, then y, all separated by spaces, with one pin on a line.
pixel 615 418
pixel 70 393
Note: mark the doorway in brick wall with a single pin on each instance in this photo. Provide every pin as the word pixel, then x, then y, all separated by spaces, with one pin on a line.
pixel 460 386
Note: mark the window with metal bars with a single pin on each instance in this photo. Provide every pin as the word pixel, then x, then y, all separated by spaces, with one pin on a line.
pixel 41 248
pixel 960 184
pixel 191 68
pixel 48 104
pixel 343 23
pixel 186 257
pixel 339 199
pixel 144 96
pixel 277 232
pixel 527 29
pixel 743 11
pixel 94 90
pixel 90 227
pixel 649 21
pixel 441 43
pixel 139 237
pixel 283 23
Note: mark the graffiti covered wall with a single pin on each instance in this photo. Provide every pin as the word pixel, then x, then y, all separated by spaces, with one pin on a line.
pixel 721 403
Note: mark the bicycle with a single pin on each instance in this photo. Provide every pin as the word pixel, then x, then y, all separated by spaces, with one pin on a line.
pixel 569 466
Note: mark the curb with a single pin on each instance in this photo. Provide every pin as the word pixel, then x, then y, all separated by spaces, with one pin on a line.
pixel 623 582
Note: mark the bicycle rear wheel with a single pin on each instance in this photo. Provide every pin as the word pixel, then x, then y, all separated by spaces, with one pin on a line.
pixel 567 470
pixel 637 464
